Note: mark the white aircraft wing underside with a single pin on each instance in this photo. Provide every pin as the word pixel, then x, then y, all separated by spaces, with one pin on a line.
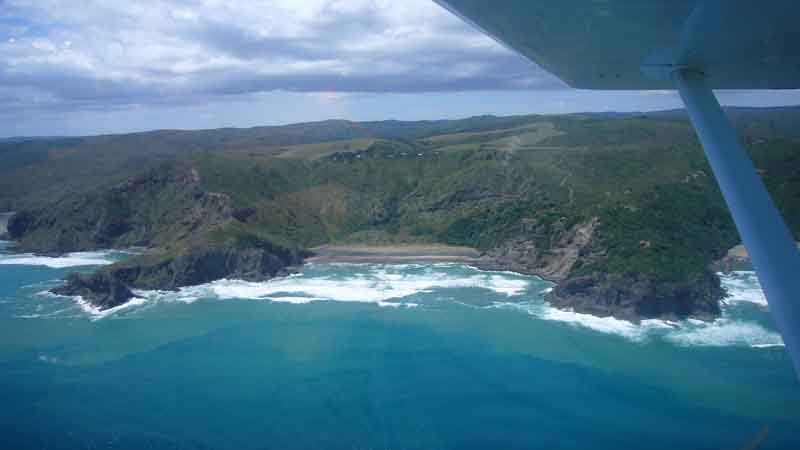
pixel 636 44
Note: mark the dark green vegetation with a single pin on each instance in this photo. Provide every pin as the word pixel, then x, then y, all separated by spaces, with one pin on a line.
pixel 621 209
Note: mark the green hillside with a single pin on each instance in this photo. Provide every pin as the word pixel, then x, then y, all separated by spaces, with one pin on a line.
pixel 626 202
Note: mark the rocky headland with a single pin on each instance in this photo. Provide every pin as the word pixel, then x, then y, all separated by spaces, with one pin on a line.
pixel 629 297
pixel 181 227
pixel 196 236
pixel 620 212
pixel 166 270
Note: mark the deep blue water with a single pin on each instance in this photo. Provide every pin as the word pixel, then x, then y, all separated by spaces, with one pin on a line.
pixel 380 357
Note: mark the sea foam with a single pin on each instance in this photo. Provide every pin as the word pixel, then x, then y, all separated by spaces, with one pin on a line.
pixel 726 332
pixel 375 284
pixel 743 286
pixel 394 286
pixel 96 313
pixel 607 325
pixel 96 258
pixel 722 332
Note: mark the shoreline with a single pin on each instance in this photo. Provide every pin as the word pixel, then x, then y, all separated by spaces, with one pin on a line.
pixel 414 254
pixel 403 254
pixel 394 254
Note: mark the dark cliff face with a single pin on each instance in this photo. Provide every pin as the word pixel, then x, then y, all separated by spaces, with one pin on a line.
pixel 167 209
pixel 551 254
pixel 111 286
pixel 201 264
pixel 633 297
pixel 100 288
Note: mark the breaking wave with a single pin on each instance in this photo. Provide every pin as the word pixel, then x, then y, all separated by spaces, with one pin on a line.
pixel 96 258
pixel 96 313
pixel 743 286
pixel 727 332
pixel 413 285
pixel 732 329
pixel 609 325
pixel 373 284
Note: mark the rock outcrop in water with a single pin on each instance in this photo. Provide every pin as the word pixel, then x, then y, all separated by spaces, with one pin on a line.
pixel 191 234
pixel 620 212
pixel 633 298
pixel 201 263
pixel 630 297
pixel 101 289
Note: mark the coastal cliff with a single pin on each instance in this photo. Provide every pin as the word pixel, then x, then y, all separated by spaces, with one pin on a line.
pixel 160 206
pixel 620 212
pixel 554 262
pixel 167 270
pixel 633 298
pixel 188 234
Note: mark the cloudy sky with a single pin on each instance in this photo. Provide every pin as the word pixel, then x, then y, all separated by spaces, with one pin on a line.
pixel 100 66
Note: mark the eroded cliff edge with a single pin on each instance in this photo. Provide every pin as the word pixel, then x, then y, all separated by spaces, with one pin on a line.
pixel 186 234
pixel 175 268
pixel 629 296
pixel 193 233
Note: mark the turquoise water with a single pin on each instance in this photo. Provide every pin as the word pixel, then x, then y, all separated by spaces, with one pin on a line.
pixel 379 357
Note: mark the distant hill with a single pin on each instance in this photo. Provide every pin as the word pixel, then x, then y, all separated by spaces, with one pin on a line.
pixel 620 209
pixel 38 170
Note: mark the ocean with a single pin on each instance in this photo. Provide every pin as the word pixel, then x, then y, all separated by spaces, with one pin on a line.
pixel 371 356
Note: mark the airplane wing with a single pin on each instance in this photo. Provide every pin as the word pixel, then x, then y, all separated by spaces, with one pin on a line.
pixel 693 46
pixel 624 44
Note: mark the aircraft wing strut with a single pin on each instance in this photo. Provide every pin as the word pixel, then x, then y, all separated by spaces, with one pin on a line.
pixel 693 46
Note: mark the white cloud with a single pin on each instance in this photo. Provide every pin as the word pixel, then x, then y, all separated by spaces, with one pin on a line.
pixel 145 50
pixel 113 65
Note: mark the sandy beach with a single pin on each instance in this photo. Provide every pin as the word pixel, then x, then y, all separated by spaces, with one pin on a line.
pixel 401 254
pixel 737 258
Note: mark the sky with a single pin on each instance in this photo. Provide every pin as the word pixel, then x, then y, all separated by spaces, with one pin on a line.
pixel 100 66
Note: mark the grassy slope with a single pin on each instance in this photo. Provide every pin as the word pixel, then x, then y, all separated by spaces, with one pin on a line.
pixel 38 171
pixel 470 182
pixel 660 211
